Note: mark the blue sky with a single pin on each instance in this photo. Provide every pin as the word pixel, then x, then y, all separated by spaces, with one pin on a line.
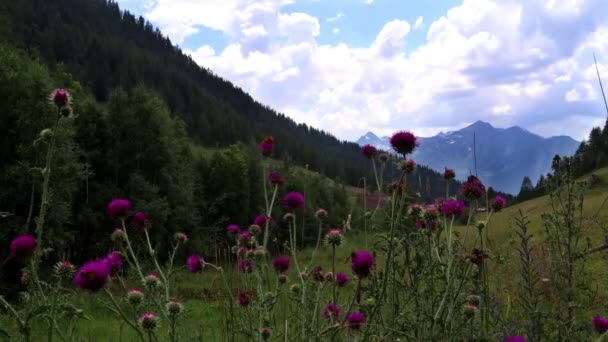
pixel 352 66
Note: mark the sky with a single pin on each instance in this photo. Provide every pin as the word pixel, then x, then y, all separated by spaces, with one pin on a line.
pixel 353 66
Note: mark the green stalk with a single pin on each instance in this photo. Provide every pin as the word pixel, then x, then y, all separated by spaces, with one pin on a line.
pixel 158 268
pixel 130 249
pixel 122 314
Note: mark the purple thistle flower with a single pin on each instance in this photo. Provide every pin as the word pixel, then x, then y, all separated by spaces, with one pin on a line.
pixel 362 263
pixel 243 299
pixel 473 188
pixel 515 339
pixel 140 220
pixel 453 208
pixel 266 146
pixel 114 260
pixel 342 280
pixel 266 333
pixel 275 179
pixel 498 203
pixel 93 275
pixel 355 320
pixel 119 208
pixel 331 310
pixel 449 174
pixel 409 166
pixel 260 220
pixel 293 200
pixel 317 274
pixel 60 97
pixel 369 151
pixel 148 321
pixel 195 264
pixel 245 266
pixel 404 142
pixel 600 323
pixel 245 237
pixel 280 264
pixel 233 229
pixel 23 246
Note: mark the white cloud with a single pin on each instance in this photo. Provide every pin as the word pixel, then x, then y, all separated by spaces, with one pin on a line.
pixel 525 62
pixel 335 30
pixel 418 22
pixel 367 2
pixel 335 18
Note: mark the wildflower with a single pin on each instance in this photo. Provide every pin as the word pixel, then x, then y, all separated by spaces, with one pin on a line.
pixel 135 297
pixel 420 224
pixel 369 151
pixel 152 281
pixel 478 256
pixel 25 277
pixel 362 263
pixel 355 320
pixel 515 339
pixel 453 208
pixel 415 210
pixel 439 201
pixel 243 299
pixel 245 266
pixel 64 269
pixel 329 276
pixel 293 200
pixel 280 264
pixel 119 208
pixel 140 220
pixel 383 157
pixel 23 246
pixel 233 229
pixel 403 142
pixel 255 229
pixel 449 174
pixel 303 275
pixel 469 309
pixel 60 97
pixel 317 274
pixel 148 321
pixel 474 299
pixel 320 214
pixel 245 237
pixel 275 178
pixel 498 203
pixel 181 237
pixel 265 333
pixel 473 188
pixel 332 310
pixel 66 110
pixel 93 275
pixel 408 166
pixel 431 213
pixel 341 280
pixel 283 278
pixel 174 309
pixel 266 146
pixel 242 251
pixel 117 235
pixel 288 216
pixel 114 261
pixel 334 237
pixel 600 323
pixel 261 220
pixel 195 264
pixel 259 252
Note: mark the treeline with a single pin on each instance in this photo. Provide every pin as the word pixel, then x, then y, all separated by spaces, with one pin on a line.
pixel 105 48
pixel 130 146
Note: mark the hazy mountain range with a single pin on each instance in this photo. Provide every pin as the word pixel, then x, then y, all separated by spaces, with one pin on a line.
pixel 504 155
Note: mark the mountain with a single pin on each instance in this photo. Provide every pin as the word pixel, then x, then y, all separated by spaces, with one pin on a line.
pixel 504 155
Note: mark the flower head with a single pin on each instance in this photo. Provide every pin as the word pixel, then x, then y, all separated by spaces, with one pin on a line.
pixel 280 264
pixel 473 188
pixel 320 214
pixel 262 219
pixel 469 309
pixel 60 97
pixel 174 308
pixel 331 310
pixel 317 274
pixel 515 339
pixel 600 323
pixel 266 146
pixel 415 210
pixel 93 275
pixel 342 280
pixel 245 237
pixel 404 142
pixel 255 230
pixel 362 263
pixel 181 237
pixel 243 299
pixel 369 151
pixel 449 174
pixel 245 266
pixel 355 320
pixel 453 208
pixel 478 256
pixel 293 200
pixel 140 220
pixel 408 166
pixel 64 269
pixel 498 203
pixel 148 321
pixel 23 246
pixel 195 264
pixel 119 208
pixel 152 281
pixel 334 237
pixel 233 229
pixel 275 178
pixel 265 333
pixel 114 260
pixel 118 235
pixel 135 296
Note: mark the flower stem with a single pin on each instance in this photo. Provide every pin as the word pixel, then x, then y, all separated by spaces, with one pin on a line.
pixel 130 249
pixel 122 314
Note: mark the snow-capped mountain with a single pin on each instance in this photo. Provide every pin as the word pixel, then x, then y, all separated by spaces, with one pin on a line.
pixel 504 155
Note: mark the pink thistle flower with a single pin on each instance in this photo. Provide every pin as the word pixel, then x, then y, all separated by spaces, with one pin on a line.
pixel 515 339
pixel 449 174
pixel 245 266
pixel 265 333
pixel 181 237
pixel 600 323
pixel 342 280
pixel 332 310
pixel 233 229
pixel 498 203
pixel 355 320
pixel 317 274
pixel 245 237
pixel 148 321
pixel 23 246
pixel 60 97
pixel 93 276
pixel 243 299
pixel 114 261
pixel 140 220
pixel 453 208
pixel 473 188
pixel 280 264
pixel 261 219
pixel 409 166
pixel 195 264
pixel 266 146
pixel 293 200
pixel 334 237
pixel 275 179
pixel 362 263
pixel 117 235
pixel 369 151
pixel 135 296
pixel 320 214
pixel 404 142
pixel 119 208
